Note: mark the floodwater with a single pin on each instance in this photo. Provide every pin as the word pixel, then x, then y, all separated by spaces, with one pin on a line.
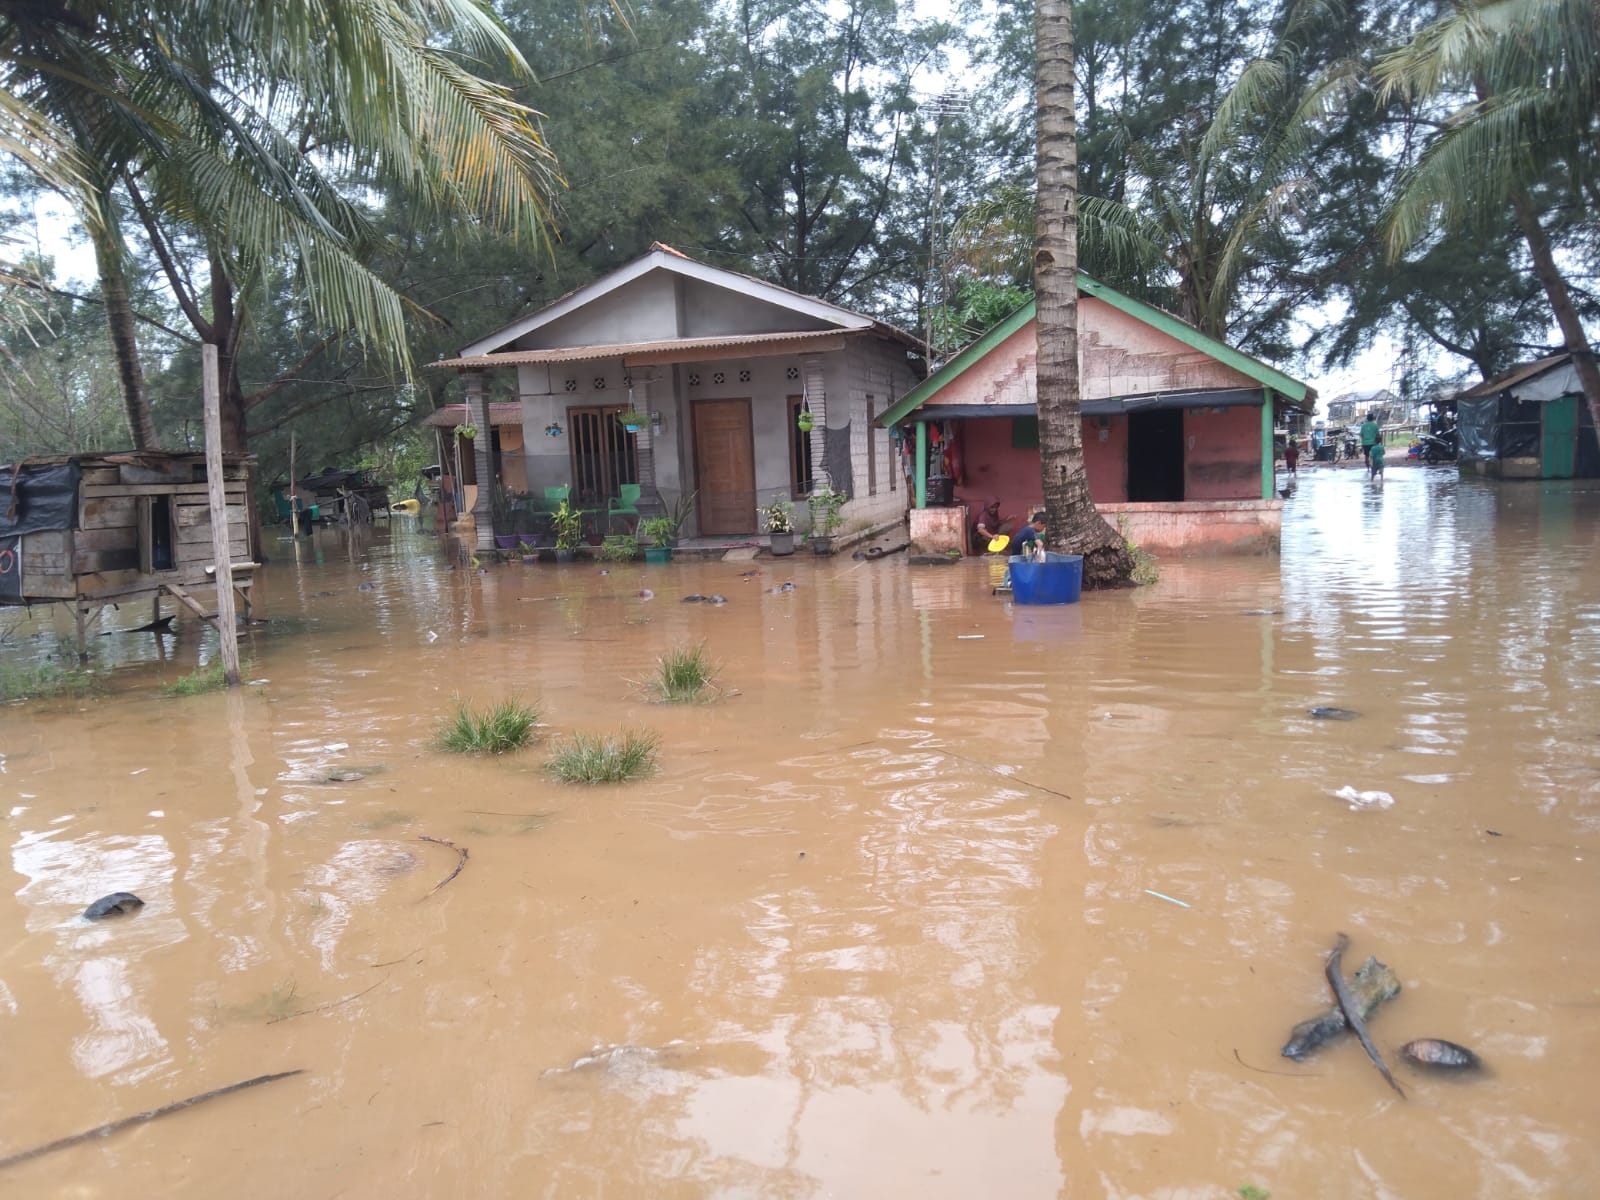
pixel 883 923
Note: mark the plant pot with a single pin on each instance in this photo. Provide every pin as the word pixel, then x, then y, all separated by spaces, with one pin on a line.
pixel 805 421
pixel 782 543
pixel 631 428
pixel 565 556
pixel 529 560
pixel 822 544
pixel 658 554
pixel 507 541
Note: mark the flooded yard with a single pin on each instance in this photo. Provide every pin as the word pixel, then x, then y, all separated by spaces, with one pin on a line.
pixel 881 925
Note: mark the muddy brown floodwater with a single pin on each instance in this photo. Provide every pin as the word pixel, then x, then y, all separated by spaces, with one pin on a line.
pixel 881 925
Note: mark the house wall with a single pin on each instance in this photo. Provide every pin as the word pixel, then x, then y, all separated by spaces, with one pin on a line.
pixel 994 468
pixel 644 311
pixel 875 373
pixel 1222 454
pixel 1118 355
pixel 712 311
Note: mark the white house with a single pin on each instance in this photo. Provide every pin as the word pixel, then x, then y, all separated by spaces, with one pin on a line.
pixel 722 365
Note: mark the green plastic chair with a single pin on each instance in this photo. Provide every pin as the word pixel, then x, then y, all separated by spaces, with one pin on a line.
pixel 624 505
pixel 553 496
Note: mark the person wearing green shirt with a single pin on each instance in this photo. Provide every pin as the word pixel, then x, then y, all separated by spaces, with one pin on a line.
pixel 1371 435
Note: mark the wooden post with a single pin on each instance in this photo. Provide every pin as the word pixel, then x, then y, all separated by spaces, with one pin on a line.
pixel 294 496
pixel 221 551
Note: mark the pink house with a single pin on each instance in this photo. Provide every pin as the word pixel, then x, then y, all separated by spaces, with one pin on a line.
pixel 1177 431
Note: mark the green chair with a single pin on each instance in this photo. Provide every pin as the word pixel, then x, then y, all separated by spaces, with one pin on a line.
pixel 553 496
pixel 624 505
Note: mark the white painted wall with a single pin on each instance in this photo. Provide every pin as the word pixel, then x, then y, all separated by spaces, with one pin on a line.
pixel 712 311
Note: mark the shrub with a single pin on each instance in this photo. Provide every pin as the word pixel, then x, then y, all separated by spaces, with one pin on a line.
pixel 611 758
pixel 619 547
pixel 43 681
pixel 683 674
pixel 498 729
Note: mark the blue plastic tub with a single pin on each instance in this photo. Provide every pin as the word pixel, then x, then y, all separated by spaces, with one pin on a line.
pixel 1056 580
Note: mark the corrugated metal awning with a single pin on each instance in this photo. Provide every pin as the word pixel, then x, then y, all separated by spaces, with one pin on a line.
pixel 671 350
pixel 451 415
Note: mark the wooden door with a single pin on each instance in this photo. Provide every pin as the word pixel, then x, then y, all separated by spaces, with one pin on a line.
pixel 725 467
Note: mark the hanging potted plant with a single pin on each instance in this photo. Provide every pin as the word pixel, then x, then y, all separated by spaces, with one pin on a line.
pixel 567 524
pixel 466 431
pixel 780 526
pixel 825 517
pixel 805 420
pixel 661 533
pixel 632 420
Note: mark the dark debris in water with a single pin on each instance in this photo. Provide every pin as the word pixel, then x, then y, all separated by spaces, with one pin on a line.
pixel 1325 712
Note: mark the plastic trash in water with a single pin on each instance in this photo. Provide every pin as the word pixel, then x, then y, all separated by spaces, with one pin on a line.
pixel 432 637
pixel 969 637
pixel 1363 800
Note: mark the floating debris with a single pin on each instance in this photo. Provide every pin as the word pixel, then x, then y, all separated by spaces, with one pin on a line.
pixel 1325 712
pixel 364 587
pixel 646 594
pixel 1371 985
pixel 1164 896
pixel 114 905
pixel 716 598
pixel 1436 1052
pixel 697 598
pixel 1364 800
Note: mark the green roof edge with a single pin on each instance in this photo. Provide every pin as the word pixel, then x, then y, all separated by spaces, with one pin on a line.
pixel 1292 389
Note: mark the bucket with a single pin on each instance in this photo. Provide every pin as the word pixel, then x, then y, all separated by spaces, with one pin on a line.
pixel 1056 580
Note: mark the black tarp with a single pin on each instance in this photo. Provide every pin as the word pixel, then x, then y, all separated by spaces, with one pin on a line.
pixel 836 446
pixel 46 497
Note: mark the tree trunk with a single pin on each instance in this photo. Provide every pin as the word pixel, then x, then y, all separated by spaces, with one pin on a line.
pixel 124 337
pixel 1555 287
pixel 1076 525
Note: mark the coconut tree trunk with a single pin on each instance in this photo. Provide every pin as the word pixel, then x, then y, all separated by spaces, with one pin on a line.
pixel 108 256
pixel 1076 525
pixel 1555 288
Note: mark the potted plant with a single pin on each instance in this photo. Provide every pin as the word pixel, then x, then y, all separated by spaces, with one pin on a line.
pixel 632 420
pixel 529 552
pixel 825 517
pixel 660 533
pixel 780 525
pixel 466 431
pixel 567 524
pixel 805 420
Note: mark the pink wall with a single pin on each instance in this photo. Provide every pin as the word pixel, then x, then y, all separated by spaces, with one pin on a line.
pixel 1222 454
pixel 992 467
pixel 1224 462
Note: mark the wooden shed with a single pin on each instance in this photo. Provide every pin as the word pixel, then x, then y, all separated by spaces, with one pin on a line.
pixel 88 530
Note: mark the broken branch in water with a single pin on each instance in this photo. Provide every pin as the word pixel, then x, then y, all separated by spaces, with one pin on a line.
pixel 1038 787
pixel 1352 1012
pixel 331 1004
pixel 461 861
pixel 101 1131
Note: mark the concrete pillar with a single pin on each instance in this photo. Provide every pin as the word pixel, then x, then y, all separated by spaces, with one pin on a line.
pixel 816 393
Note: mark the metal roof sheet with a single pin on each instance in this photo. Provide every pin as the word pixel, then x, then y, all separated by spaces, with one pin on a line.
pixel 669 350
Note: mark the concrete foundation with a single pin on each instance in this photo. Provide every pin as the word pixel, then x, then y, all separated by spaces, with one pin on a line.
pixel 1200 527
pixel 938 530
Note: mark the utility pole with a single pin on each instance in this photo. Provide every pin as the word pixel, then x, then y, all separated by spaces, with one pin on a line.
pixel 949 104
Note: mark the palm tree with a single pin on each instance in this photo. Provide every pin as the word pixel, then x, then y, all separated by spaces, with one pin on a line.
pixel 1521 81
pixel 242 123
pixel 1075 522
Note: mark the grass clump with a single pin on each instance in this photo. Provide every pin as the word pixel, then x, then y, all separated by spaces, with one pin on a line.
pixel 44 681
pixel 208 678
pixel 684 675
pixel 498 729
pixel 608 758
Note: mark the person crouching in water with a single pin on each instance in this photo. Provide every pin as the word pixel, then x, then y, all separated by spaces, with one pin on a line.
pixel 988 526
pixel 1029 540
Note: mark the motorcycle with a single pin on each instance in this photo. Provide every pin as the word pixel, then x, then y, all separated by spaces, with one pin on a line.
pixel 1439 447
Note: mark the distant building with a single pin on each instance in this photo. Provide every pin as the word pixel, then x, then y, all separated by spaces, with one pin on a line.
pixel 1351 408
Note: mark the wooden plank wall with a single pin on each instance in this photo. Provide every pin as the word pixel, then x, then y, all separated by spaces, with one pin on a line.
pixel 102 556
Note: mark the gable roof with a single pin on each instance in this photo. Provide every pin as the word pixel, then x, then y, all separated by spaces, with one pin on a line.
pixel 662 257
pixel 976 350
